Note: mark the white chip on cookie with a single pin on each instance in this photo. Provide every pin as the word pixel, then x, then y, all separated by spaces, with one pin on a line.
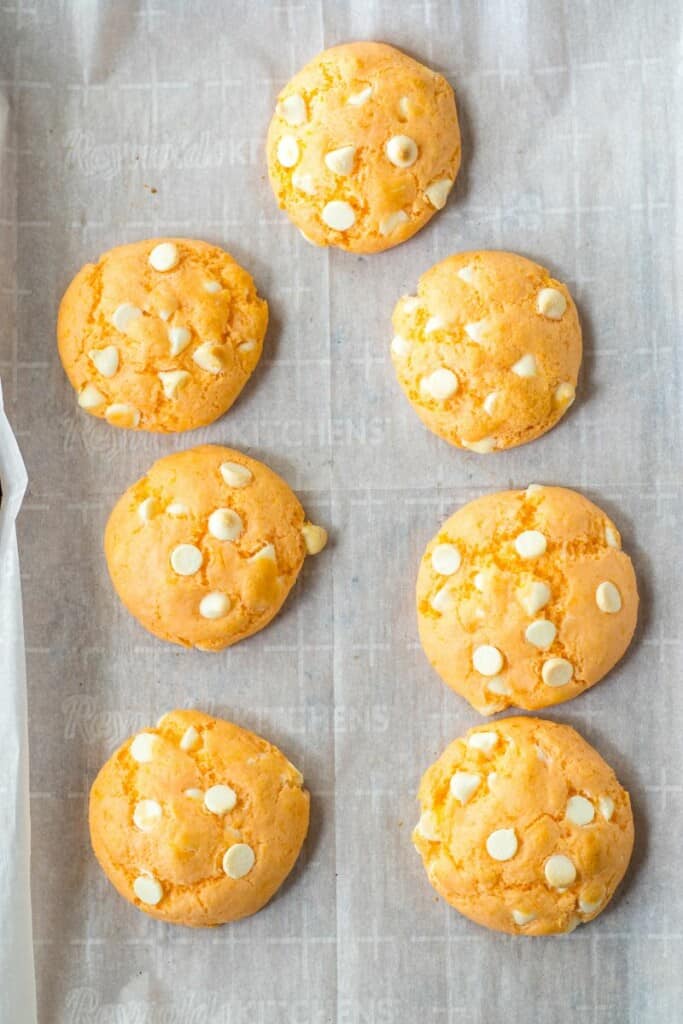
pixel 235 474
pixel 121 414
pixel 534 596
pixel 541 633
pixel 186 559
pixel 608 598
pixel 401 347
pixel 225 524
pixel 339 215
pixel 190 739
pixel 446 559
pixel 525 366
pixel 580 811
pixel 401 151
pixel 487 660
pixel 463 786
pixel 440 385
pixel 142 747
pixel 288 151
pixel 105 360
pixel 238 860
pixel 392 221
pixel 559 871
pixel 164 256
pixel 148 889
pixel 179 338
pixel 210 357
pixel 551 303
pixel 293 109
pixel 214 605
pixel 502 844
pixel 437 192
pixel 340 161
pixel 484 741
pixel 91 397
pixel 172 381
pixel 147 815
pixel 530 544
pixel 557 672
pixel 357 99
pixel 124 315
pixel 220 799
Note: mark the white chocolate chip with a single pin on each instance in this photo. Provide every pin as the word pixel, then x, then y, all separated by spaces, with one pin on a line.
pixel 165 314
pixel 176 509
pixel 148 889
pixel 304 183
pixel 209 357
pixel 186 559
pixel 392 221
pixel 608 598
pixel 179 337
pixel 559 871
pixel 339 215
pixel 235 474
pixel 446 559
pixel 315 538
pixel 357 99
pixel 267 551
pixel 483 446
pixel 288 151
pixel 172 381
pixel 238 860
pixel 147 509
pixel 481 581
pixel 120 414
pixel 441 601
pixel 551 303
pixel 490 402
pixel 164 257
pixel 246 346
pixel 541 633
pixel 564 394
pixel 194 794
pixel 105 360
pixel 498 686
pixel 534 596
pixel 90 397
pixel 410 303
pixel 502 844
pixel 190 739
pixel 427 826
pixel 557 672
pixel 487 660
pixel 293 109
pixel 146 815
pixel 522 917
pixel 580 811
pixel 484 741
pixel 225 524
pixel 401 151
pixel 124 315
pixel 213 287
pixel 612 538
pixel 526 366
pixel 435 323
pixel 220 799
pixel 491 780
pixel 404 108
pixel 464 785
pixel 466 274
pixel 214 605
pixel 542 755
pixel 400 346
pixel 476 331
pixel 588 906
pixel 532 489
pixel 441 384
pixel 437 192
pixel 530 544
pixel 606 805
pixel 142 747
pixel 340 161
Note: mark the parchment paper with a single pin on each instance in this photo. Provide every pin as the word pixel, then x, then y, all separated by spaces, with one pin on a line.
pixel 130 121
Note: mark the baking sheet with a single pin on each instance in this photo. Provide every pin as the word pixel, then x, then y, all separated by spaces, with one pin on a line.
pixel 133 120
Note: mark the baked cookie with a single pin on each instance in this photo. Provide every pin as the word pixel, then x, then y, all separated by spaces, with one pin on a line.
pixel 488 351
pixel 525 598
pixel 204 549
pixel 197 821
pixel 161 335
pixel 364 147
pixel 524 827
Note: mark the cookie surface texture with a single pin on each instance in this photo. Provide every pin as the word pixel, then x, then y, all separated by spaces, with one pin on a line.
pixel 197 821
pixel 204 549
pixel 161 335
pixel 525 598
pixel 364 147
pixel 524 828
pixel 488 351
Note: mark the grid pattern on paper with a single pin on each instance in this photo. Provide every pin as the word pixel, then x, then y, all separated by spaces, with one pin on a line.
pixel 569 124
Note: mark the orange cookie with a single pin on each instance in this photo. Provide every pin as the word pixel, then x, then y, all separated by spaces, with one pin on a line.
pixel 197 821
pixel 488 351
pixel 161 335
pixel 524 828
pixel 364 147
pixel 525 598
pixel 204 549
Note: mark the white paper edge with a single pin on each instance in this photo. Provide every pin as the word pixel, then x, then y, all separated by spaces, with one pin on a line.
pixel 17 976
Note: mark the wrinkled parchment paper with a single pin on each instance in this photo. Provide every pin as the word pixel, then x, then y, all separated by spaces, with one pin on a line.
pixel 132 120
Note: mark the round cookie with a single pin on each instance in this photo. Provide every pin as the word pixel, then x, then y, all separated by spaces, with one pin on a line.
pixel 364 147
pixel 204 549
pixel 525 598
pixel 488 351
pixel 524 828
pixel 161 335
pixel 197 822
